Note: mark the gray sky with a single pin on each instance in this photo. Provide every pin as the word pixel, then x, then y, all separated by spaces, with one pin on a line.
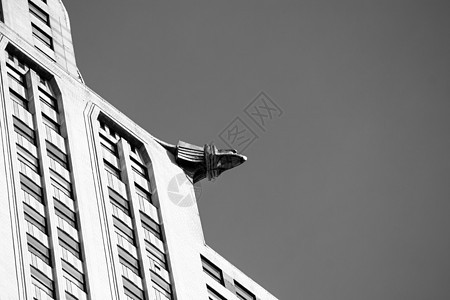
pixel 344 196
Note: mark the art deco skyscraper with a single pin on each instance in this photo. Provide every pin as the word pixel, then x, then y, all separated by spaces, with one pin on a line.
pixel 91 205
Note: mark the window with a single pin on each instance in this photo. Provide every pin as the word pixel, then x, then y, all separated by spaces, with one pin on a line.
pixel 39 13
pixel 68 243
pixel 16 76
pixel 124 230
pixel 16 63
pixel 131 290
pixel 151 225
pixel 242 293
pixel 16 82
pixel 129 261
pixel 42 36
pixel 212 270
pixel 58 159
pixel 18 99
pixel 28 159
pixel 119 201
pixel 35 218
pixel 31 188
pixel 160 293
pixel 162 284
pixel 1 12
pixel 213 295
pixel 38 249
pixel 111 169
pixel 143 195
pixel 111 147
pixel 65 213
pixel 24 130
pixel 42 281
pixel 51 124
pixel 156 255
pixel 69 296
pixel 61 184
pixel 49 101
pixel 138 168
pixel 75 276
pixel 56 154
pixel 45 87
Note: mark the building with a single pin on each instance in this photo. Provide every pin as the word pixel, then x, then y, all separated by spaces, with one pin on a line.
pixel 93 206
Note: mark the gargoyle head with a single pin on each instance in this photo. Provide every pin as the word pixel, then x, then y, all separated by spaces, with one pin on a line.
pixel 218 161
pixel 207 162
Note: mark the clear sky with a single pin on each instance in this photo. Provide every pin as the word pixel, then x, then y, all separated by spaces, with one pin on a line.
pixel 346 195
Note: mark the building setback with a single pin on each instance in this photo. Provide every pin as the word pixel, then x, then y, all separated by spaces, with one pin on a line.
pixel 92 204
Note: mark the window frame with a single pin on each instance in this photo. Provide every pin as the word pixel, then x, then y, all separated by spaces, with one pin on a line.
pixel 214 293
pixel 242 292
pixel 39 13
pixel 42 36
pixel 209 267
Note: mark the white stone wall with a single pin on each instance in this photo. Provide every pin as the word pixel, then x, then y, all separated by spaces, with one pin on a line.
pixel 181 224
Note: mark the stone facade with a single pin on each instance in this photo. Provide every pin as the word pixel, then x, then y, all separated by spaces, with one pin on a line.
pixel 85 192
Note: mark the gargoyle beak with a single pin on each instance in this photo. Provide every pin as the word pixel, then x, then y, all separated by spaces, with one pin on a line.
pixel 238 159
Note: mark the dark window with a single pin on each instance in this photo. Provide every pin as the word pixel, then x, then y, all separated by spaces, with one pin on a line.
pixel 51 124
pixel 69 296
pixel 119 201
pixel 28 159
pixel 138 168
pixel 242 293
pixel 132 290
pixel 212 270
pixel 69 243
pixel 108 145
pixel 1 12
pixel 65 213
pixel 38 249
pixel 39 279
pixel 23 129
pixel 57 159
pixel 112 169
pixel 61 184
pixel 55 153
pixel 35 218
pixel 31 188
pixel 42 36
pixel 18 99
pixel 16 76
pixel 74 273
pixel 162 284
pixel 15 63
pixel 151 225
pixel 156 255
pixel 129 261
pixel 39 13
pixel 213 295
pixel 47 98
pixel 124 230
pixel 143 194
